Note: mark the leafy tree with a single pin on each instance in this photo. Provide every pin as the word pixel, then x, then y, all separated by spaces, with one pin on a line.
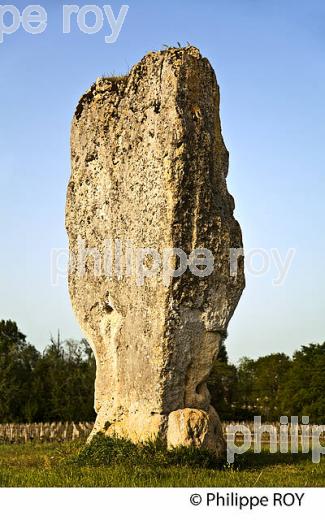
pixel 222 385
pixel 64 380
pixel 17 363
pixel 222 355
pixel 304 392
pixel 55 386
pixel 246 386
pixel 255 387
pixel 261 384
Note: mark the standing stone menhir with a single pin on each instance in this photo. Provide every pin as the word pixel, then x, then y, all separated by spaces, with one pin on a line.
pixel 149 169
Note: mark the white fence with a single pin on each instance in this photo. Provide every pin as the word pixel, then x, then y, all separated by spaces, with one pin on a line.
pixel 20 433
pixel 66 431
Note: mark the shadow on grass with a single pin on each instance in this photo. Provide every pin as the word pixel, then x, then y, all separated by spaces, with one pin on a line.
pixel 111 451
pixel 251 460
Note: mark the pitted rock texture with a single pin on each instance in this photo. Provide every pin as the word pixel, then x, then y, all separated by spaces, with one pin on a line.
pixel 149 169
pixel 188 427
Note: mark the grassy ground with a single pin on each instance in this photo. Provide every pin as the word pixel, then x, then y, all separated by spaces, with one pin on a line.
pixel 51 465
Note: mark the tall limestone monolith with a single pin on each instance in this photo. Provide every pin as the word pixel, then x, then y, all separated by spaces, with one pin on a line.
pixel 148 199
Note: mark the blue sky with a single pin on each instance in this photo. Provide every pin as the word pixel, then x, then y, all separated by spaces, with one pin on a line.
pixel 269 57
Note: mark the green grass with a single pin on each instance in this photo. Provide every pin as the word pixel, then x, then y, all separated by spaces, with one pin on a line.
pixel 112 451
pixel 70 465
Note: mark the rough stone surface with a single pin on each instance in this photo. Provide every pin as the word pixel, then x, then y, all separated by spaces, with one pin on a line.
pixel 191 427
pixel 149 168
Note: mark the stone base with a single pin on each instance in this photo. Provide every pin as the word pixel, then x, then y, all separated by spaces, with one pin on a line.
pixel 188 427
pixel 137 427
pixel 197 428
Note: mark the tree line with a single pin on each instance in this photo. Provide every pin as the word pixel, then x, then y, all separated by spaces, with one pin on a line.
pixel 58 384
pixel 271 386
